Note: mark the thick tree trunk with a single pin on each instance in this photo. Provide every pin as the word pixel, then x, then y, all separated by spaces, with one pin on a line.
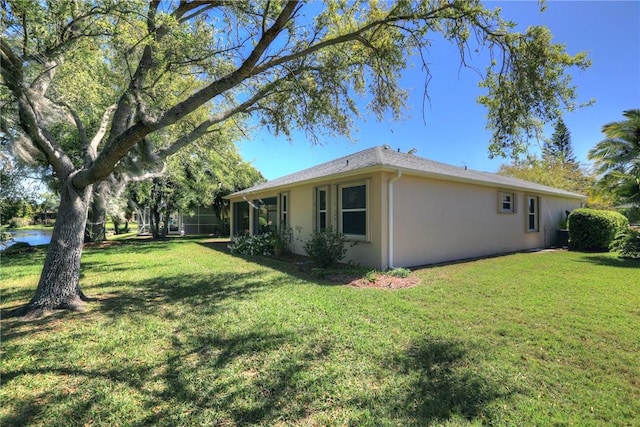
pixel 59 281
pixel 165 223
pixel 97 218
pixel 154 218
pixel 117 223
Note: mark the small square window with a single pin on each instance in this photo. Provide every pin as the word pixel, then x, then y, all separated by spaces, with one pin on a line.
pixel 506 202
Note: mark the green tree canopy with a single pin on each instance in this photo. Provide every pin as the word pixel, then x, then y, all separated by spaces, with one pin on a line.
pixel 20 185
pixel 557 167
pixel 554 174
pixel 617 158
pixel 90 85
pixel 201 176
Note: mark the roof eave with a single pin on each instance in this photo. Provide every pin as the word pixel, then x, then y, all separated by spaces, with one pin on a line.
pixel 488 183
pixel 310 181
pixel 410 171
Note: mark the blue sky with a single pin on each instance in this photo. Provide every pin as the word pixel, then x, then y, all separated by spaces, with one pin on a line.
pixel 454 132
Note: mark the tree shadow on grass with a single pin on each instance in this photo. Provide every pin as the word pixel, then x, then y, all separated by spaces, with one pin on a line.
pixel 243 379
pixel 135 245
pixel 17 329
pixel 29 409
pixel 132 247
pixel 157 295
pixel 192 353
pixel 127 247
pixel 17 259
pixel 15 294
pixel 204 379
pixel 445 384
pixel 258 375
pixel 294 265
pixel 609 261
pixel 94 400
pixel 202 293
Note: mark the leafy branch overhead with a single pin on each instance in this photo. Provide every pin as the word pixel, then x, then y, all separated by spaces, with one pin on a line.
pixel 286 64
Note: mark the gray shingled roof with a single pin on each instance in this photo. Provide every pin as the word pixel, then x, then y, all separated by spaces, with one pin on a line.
pixel 382 158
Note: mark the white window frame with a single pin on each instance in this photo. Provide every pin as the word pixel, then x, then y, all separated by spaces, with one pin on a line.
pixel 366 210
pixel 535 214
pixel 319 211
pixel 283 206
pixel 501 200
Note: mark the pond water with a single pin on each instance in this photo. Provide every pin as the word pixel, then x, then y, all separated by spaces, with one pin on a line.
pixel 32 237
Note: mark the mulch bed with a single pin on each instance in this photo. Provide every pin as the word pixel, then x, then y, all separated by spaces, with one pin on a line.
pixel 381 280
pixel 385 281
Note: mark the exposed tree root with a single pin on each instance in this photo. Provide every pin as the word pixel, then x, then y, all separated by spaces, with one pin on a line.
pixel 33 312
pixel 28 312
pixel 85 298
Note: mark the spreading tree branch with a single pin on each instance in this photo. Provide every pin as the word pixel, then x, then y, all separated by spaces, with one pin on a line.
pixel 92 148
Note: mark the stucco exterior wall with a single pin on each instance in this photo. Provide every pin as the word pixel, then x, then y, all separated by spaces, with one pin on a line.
pixel 437 221
pixel 553 211
pixel 302 215
pixel 433 220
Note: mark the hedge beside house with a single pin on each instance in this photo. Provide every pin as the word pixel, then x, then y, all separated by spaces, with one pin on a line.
pixel 594 230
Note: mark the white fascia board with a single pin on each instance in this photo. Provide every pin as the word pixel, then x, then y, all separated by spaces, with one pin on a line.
pixel 484 183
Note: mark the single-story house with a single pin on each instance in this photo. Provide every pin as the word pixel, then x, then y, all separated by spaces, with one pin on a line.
pixel 404 210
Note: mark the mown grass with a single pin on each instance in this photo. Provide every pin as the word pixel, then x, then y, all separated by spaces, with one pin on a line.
pixel 186 334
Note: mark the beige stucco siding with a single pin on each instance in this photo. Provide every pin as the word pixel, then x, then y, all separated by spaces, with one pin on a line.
pixel 433 220
pixel 302 214
pixel 366 253
pixel 552 213
pixel 437 221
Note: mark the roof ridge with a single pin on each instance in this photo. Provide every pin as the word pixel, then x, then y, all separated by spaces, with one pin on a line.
pixel 386 157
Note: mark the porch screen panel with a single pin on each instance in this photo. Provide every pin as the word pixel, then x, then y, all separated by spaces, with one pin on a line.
pixel 265 215
pixel 240 218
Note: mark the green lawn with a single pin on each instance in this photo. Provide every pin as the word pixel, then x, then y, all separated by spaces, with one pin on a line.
pixel 186 334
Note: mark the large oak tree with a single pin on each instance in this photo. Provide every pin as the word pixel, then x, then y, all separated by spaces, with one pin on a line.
pixel 89 84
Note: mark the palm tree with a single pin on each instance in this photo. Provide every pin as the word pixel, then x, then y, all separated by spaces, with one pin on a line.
pixel 617 158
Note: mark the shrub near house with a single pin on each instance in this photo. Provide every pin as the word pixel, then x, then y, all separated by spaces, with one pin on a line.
pixel 627 244
pixel 595 230
pixel 326 247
